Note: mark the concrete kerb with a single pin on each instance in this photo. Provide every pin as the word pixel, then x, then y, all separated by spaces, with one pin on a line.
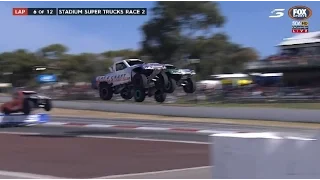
pixel 132 128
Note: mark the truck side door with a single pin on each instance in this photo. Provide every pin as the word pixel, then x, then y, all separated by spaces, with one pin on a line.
pixel 121 76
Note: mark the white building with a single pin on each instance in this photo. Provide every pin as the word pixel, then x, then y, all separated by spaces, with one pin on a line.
pixel 298 59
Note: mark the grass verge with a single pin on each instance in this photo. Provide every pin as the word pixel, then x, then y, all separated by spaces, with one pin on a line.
pixel 111 115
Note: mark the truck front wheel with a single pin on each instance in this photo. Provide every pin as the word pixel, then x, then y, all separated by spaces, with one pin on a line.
pixel 140 81
pixel 27 106
pixel 139 94
pixel 190 86
pixel 105 91
pixel 162 81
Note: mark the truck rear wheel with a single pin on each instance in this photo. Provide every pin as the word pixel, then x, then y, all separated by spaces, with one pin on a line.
pixel 105 91
pixel 27 106
pixel 160 96
pixel 126 93
pixel 139 94
pixel 171 86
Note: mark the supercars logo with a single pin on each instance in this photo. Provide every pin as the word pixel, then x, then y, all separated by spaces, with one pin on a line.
pixel 300 13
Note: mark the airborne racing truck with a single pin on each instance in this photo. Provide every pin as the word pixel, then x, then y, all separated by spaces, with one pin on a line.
pixel 133 78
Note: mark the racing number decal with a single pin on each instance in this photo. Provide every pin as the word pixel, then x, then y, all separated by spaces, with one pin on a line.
pixel 113 78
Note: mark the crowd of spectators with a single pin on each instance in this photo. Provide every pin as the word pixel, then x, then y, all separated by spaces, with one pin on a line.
pixel 296 55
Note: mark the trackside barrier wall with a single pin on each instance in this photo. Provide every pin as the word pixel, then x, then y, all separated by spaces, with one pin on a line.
pixel 264 156
pixel 276 114
pixel 24 119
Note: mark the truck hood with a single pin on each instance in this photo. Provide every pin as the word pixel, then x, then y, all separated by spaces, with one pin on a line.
pixel 38 96
pixel 187 71
pixel 152 66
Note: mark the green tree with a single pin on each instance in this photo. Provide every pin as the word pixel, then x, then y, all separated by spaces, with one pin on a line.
pixel 219 55
pixel 173 22
pixel 178 30
pixel 53 51
pixel 20 63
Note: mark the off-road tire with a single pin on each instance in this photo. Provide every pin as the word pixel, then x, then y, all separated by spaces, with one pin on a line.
pixel 126 93
pixel 105 91
pixel 48 105
pixel 171 86
pixel 27 106
pixel 140 81
pixel 139 94
pixel 160 96
pixel 190 86
pixel 162 81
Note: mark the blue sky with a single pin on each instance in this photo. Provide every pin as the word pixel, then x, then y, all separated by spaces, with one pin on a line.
pixel 248 24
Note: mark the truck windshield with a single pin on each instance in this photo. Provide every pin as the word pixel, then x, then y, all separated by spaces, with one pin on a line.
pixel 28 92
pixel 131 63
pixel 170 67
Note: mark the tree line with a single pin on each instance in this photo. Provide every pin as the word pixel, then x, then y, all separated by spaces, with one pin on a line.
pixel 175 32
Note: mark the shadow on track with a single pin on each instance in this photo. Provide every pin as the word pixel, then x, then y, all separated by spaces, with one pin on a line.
pixel 70 134
pixel 49 135
pixel 92 132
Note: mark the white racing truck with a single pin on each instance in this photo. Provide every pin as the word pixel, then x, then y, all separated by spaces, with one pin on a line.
pixel 133 78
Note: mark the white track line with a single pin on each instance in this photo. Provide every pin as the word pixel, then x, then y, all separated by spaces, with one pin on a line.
pixel 143 139
pixel 26 175
pixel 53 124
pixel 214 131
pixel 19 133
pixel 153 128
pixel 99 126
pixel 112 137
pixel 123 176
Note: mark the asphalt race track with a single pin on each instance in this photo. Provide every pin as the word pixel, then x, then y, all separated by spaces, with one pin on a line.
pixel 82 152
pixel 86 153
pixel 67 148
pixel 71 157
